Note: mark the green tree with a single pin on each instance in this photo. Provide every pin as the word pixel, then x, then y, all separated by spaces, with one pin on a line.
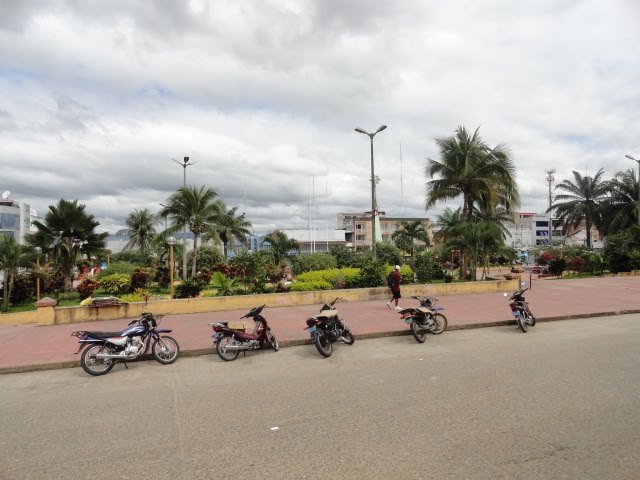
pixel 141 231
pixel 582 200
pixel 484 176
pixel 198 210
pixel 67 231
pixel 477 241
pixel 231 226
pixel 409 232
pixel 448 224
pixel 344 256
pixel 388 253
pixel 622 250
pixel 280 246
pixel 307 262
pixel 12 257
pixel 620 210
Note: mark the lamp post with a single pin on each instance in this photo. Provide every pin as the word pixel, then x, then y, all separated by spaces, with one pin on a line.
pixel 38 251
pixel 373 188
pixel 171 241
pixel 638 162
pixel 184 164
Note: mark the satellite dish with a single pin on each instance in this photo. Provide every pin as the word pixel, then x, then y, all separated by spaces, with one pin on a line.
pixel 6 195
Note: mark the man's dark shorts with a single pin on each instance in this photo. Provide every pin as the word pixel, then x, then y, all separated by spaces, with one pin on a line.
pixel 396 294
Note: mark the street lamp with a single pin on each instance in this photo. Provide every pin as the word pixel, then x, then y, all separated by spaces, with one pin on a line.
pixel 171 241
pixel 373 188
pixel 38 251
pixel 184 164
pixel 638 162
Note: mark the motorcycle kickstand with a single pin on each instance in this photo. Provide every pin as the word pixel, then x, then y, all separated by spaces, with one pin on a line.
pixel 126 366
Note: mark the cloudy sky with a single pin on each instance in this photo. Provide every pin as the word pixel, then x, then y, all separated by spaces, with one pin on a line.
pixel 98 97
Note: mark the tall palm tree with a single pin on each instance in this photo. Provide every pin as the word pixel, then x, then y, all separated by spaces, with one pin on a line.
pixel 281 245
pixel 195 208
pixel 620 210
pixel 410 231
pixel 448 223
pixel 141 230
pixel 67 231
pixel 469 167
pixel 232 226
pixel 477 240
pixel 582 201
pixel 12 257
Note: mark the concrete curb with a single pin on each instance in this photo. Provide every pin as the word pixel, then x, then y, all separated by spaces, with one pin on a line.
pixel 293 343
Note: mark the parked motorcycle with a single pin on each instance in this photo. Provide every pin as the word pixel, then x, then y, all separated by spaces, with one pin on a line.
pixel 104 349
pixel 520 309
pixel 425 318
pixel 230 342
pixel 326 328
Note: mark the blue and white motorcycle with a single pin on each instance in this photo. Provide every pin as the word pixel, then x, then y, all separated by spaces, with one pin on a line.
pixel 104 349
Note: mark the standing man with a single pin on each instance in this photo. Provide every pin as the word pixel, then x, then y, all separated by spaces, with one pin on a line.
pixel 393 282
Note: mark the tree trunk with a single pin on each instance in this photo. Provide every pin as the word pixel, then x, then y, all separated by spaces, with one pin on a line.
pixel 5 292
pixel 195 255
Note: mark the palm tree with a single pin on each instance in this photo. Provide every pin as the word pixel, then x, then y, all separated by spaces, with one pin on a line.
pixel 582 200
pixel 141 230
pixel 448 223
pixel 620 210
pixel 198 210
pixel 410 231
pixel 281 245
pixel 12 257
pixel 231 226
pixel 477 240
pixel 483 175
pixel 67 229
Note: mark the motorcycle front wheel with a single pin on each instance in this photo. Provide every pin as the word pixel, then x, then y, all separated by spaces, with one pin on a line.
pixel 273 341
pixel 531 320
pixel 347 337
pixel 221 348
pixel 167 353
pixel 93 366
pixel 323 343
pixel 522 323
pixel 418 331
pixel 440 322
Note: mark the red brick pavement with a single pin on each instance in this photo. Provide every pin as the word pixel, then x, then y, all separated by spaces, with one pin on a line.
pixel 30 347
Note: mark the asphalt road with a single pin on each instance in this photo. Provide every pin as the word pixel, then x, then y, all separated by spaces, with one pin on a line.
pixel 562 401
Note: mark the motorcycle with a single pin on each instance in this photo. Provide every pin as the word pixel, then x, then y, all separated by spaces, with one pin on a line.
pixel 229 342
pixel 520 309
pixel 104 349
pixel 425 318
pixel 326 328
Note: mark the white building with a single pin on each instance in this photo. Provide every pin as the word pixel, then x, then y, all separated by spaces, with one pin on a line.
pixel 16 218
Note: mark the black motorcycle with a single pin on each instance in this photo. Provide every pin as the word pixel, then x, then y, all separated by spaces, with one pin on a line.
pixel 520 309
pixel 424 319
pixel 326 328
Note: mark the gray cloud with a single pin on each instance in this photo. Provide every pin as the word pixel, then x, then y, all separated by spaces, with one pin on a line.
pixel 263 95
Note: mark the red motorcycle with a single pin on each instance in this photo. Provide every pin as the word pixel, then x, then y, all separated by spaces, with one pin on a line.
pixel 229 342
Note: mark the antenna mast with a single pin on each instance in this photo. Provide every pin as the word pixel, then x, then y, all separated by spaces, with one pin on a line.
pixel 401 188
pixel 550 179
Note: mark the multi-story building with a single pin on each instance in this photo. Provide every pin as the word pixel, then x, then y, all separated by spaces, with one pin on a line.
pixel 15 218
pixel 359 232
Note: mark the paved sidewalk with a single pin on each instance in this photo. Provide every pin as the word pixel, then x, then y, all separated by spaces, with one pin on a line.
pixel 32 347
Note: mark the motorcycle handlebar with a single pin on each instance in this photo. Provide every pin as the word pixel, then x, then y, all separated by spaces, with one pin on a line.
pixel 253 312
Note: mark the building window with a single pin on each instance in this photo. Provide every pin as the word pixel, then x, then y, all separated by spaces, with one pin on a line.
pixel 542 224
pixel 9 221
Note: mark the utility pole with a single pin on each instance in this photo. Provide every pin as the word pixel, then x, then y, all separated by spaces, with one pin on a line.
pixel 184 164
pixel 550 178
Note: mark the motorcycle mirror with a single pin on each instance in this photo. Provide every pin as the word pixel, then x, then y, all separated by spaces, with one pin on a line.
pixel 504 294
pixel 522 284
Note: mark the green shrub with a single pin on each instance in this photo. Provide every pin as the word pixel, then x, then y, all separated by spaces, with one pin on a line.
pixel 428 267
pixel 86 288
pixel 117 267
pixel 372 274
pixel 338 277
pixel 162 276
pixel 116 283
pixel 188 289
pixel 310 286
pixel 204 276
pixel 137 296
pixel 405 273
pixel 307 262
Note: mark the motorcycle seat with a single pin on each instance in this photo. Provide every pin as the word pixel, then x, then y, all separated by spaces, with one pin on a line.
pixel 328 314
pixel 423 310
pixel 104 334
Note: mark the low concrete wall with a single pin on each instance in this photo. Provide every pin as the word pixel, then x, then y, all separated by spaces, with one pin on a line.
pixel 63 315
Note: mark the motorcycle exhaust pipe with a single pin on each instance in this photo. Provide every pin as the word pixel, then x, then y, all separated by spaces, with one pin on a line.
pixel 234 348
pixel 106 356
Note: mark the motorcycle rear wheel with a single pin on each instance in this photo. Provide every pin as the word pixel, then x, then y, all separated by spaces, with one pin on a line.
pixel 531 320
pixel 273 341
pixel 323 343
pixel 93 366
pixel 221 348
pixel 418 331
pixel 347 337
pixel 168 355
pixel 440 323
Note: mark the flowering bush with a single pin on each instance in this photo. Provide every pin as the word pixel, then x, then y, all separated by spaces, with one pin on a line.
pixel 86 288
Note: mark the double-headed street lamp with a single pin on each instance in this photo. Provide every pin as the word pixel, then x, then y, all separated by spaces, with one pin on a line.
pixel 38 251
pixel 184 164
pixel 638 162
pixel 373 189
